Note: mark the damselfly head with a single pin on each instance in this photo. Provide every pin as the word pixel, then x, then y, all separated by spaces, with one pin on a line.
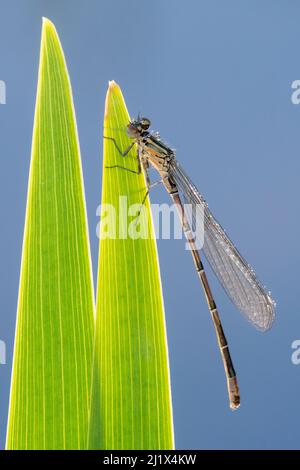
pixel 136 127
pixel 145 123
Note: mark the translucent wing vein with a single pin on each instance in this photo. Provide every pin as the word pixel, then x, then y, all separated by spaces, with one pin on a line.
pixel 234 273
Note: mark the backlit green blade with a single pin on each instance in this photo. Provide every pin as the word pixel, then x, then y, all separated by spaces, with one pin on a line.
pixel 131 398
pixel 55 323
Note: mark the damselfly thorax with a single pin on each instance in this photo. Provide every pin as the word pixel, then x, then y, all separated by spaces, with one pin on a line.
pixel 154 152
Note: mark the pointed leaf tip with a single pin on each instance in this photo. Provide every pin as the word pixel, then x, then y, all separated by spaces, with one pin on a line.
pixel 47 24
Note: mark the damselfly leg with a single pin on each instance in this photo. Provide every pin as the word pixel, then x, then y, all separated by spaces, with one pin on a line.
pixel 142 163
pixel 124 154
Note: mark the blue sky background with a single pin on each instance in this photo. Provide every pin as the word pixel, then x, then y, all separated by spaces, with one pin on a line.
pixel 215 79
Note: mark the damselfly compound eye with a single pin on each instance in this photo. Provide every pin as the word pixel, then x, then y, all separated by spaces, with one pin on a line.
pixel 145 123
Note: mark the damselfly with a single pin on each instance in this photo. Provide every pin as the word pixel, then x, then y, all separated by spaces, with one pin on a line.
pixel 234 273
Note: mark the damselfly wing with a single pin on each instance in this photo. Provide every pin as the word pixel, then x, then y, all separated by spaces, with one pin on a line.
pixel 234 273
